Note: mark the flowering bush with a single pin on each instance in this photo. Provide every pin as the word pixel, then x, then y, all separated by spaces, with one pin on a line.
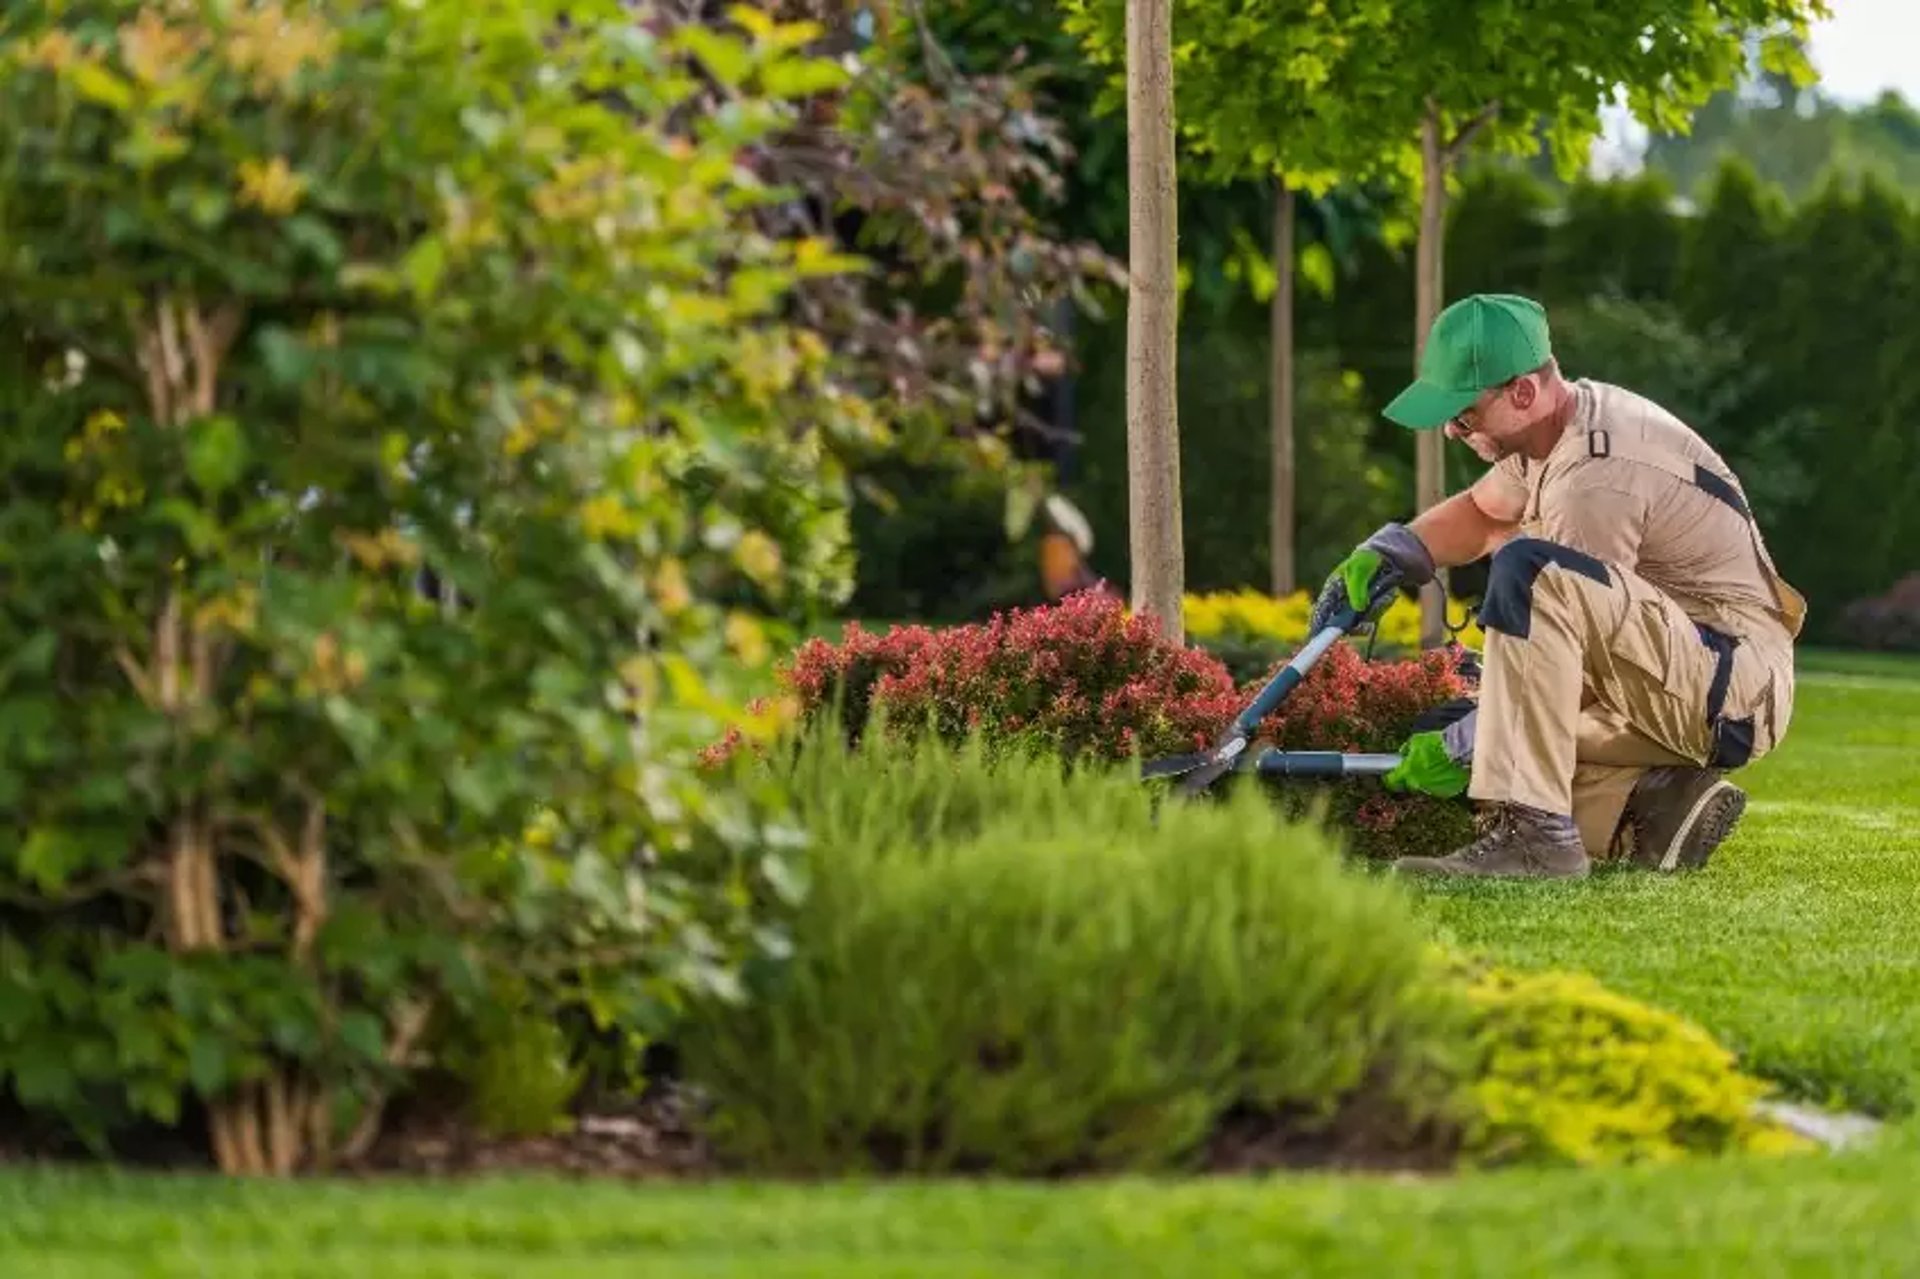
pixel 1889 621
pixel 1085 679
pixel 1250 616
pixel 1082 678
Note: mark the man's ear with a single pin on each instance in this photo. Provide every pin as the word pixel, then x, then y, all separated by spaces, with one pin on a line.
pixel 1524 392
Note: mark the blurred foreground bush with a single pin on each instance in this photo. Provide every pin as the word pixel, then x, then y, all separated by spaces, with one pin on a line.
pixel 304 306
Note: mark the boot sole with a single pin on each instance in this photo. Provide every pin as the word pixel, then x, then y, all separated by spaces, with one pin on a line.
pixel 1708 824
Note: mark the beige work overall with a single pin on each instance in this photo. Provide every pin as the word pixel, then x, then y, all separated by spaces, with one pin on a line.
pixel 1636 620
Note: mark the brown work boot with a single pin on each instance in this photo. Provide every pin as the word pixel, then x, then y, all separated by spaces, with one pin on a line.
pixel 1677 816
pixel 1515 842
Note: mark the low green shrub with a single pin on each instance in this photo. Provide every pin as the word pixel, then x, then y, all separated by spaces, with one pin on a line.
pixel 514 1070
pixel 1006 966
pixel 1571 1072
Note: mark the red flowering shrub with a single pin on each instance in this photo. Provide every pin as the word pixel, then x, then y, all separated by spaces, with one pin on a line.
pixel 1890 621
pixel 1084 679
pixel 1081 678
pixel 1349 703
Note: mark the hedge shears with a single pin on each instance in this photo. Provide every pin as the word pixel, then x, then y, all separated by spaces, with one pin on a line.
pixel 1229 752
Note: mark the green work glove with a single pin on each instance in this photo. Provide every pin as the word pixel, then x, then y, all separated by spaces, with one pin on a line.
pixel 1426 767
pixel 1394 549
pixel 1351 585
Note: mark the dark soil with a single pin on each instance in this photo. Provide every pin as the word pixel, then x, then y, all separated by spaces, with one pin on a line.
pixel 655 1138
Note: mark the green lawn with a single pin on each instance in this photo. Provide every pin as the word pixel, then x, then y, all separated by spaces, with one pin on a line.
pixel 1800 945
pixel 1852 1216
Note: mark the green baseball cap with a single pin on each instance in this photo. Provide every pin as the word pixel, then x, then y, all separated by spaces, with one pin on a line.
pixel 1477 343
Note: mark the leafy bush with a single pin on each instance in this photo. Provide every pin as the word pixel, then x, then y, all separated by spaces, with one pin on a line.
pixel 1086 680
pixel 514 1072
pixel 1570 1072
pixel 269 808
pixel 1001 967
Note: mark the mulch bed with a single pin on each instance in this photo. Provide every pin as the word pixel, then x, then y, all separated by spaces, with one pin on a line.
pixel 655 1138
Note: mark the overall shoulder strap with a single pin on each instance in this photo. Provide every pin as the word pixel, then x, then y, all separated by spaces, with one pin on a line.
pixel 1636 448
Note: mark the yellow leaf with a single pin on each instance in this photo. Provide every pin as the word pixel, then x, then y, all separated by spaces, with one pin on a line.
pixel 273 188
pixel 758 557
pixel 53 51
pixel 605 517
pixel 758 23
pixel 670 588
pixel 746 638
pixel 100 85
pixel 153 51
pixel 699 308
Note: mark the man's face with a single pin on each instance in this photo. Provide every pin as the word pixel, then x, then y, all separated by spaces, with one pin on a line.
pixel 1493 425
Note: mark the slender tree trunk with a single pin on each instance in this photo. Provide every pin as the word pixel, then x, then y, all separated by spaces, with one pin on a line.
pixel 1429 475
pixel 1281 535
pixel 1153 430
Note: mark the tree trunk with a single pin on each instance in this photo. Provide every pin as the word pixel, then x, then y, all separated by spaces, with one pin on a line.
pixel 1280 536
pixel 1153 431
pixel 1429 476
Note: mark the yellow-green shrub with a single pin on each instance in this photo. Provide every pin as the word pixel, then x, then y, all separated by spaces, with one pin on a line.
pixel 1571 1072
pixel 1251 617
pixel 1249 631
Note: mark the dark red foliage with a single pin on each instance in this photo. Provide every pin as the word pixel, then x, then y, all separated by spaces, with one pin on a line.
pixel 1352 704
pixel 942 182
pixel 1890 621
pixel 1081 676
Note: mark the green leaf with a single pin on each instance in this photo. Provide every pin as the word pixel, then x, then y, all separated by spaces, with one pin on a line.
pixel 156 1100
pixel 1316 269
pixel 41 1075
pixel 727 59
pixel 35 657
pixel 50 857
pixel 424 266
pixel 98 84
pixel 207 206
pixel 207 1063
pixel 362 1032
pixel 216 454
pixel 316 237
pixel 286 356
pixel 198 527
pixel 802 78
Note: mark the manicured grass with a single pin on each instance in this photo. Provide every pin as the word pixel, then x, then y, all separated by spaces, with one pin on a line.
pixel 1799 945
pixel 1849 1215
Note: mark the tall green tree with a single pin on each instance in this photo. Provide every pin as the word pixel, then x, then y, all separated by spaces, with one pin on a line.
pixel 1730 253
pixel 1848 277
pixel 1521 75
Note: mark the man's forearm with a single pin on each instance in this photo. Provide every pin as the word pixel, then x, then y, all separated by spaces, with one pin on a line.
pixel 1457 531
